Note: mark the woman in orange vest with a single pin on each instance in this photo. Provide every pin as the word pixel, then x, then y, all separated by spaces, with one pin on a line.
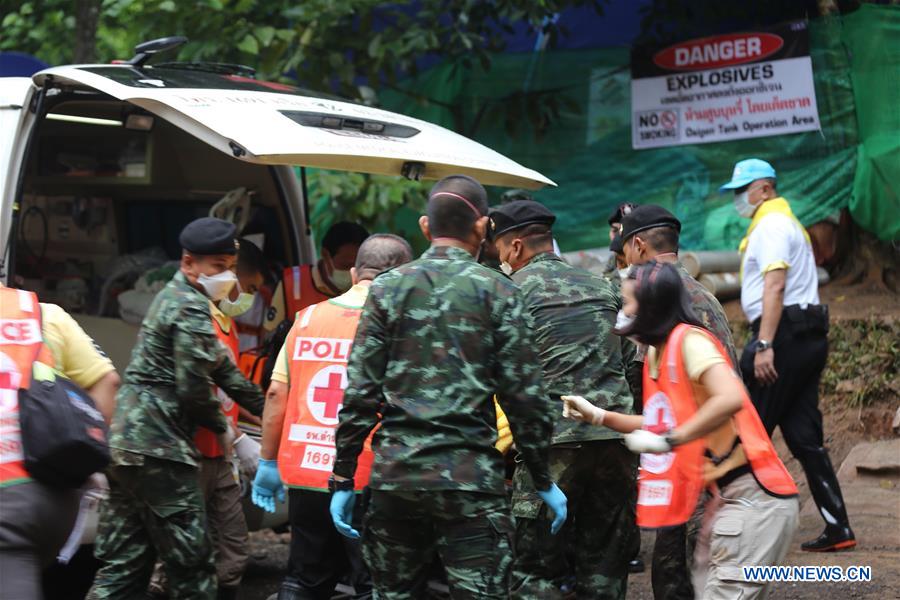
pixel 699 429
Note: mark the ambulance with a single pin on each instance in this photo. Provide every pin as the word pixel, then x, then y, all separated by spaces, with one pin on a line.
pixel 102 165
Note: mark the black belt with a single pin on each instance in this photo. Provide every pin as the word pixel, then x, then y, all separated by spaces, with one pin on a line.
pixel 798 320
pixel 732 475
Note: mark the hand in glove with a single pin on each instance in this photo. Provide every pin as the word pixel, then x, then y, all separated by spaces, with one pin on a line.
pixel 267 485
pixel 641 441
pixel 556 500
pixel 247 450
pixel 579 409
pixel 341 509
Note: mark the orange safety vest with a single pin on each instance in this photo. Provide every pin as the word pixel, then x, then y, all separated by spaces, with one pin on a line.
pixel 21 345
pixel 318 346
pixel 205 439
pixel 671 483
pixel 299 290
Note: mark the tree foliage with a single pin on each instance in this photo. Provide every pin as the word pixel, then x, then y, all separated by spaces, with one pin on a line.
pixel 352 48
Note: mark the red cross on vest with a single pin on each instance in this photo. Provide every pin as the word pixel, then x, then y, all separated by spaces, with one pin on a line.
pixel 660 426
pixel 332 396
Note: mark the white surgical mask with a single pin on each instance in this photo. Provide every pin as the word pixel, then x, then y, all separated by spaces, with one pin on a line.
pixel 623 321
pixel 742 204
pixel 506 268
pixel 218 286
pixel 341 279
pixel 242 304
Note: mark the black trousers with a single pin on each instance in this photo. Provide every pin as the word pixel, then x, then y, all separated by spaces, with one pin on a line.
pixel 320 557
pixel 792 402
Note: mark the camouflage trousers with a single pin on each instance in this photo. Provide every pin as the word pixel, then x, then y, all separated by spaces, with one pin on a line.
pixel 155 510
pixel 673 554
pixel 598 539
pixel 470 531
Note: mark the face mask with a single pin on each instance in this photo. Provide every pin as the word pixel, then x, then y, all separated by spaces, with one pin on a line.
pixel 623 273
pixel 506 268
pixel 341 279
pixel 217 286
pixel 623 321
pixel 742 204
pixel 243 303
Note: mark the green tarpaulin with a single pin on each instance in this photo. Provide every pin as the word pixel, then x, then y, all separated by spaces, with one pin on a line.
pixel 853 162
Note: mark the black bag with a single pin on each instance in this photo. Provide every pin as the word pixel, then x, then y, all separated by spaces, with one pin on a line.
pixel 64 436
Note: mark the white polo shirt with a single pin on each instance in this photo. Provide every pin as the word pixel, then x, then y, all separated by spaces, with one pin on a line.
pixel 777 242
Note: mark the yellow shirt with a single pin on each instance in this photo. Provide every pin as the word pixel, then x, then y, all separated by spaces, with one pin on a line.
pixel 700 354
pixel 77 356
pixel 355 297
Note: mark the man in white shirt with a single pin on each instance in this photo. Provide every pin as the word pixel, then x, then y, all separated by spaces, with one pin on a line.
pixel 784 359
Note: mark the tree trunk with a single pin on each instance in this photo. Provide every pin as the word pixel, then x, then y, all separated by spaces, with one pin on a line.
pixel 87 15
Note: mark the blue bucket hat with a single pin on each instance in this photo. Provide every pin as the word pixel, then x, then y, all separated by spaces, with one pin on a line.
pixel 746 172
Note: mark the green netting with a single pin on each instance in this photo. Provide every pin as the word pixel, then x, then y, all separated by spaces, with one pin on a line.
pixel 872 37
pixel 587 148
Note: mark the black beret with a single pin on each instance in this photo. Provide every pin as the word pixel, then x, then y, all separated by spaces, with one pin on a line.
pixel 517 214
pixel 208 236
pixel 616 246
pixel 648 216
pixel 621 212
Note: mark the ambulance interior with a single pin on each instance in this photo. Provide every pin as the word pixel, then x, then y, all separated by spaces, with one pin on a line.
pixel 107 190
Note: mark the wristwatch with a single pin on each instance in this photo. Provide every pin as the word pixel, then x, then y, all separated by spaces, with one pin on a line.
pixel 763 345
pixel 340 485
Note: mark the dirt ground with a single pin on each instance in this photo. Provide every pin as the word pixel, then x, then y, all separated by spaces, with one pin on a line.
pixel 845 427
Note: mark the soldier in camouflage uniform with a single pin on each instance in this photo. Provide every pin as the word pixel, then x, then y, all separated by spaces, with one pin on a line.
pixel 437 339
pixel 572 313
pixel 651 233
pixel 155 507
pixel 612 267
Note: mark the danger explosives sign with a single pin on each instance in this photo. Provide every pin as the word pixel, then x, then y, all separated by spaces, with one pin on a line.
pixel 725 87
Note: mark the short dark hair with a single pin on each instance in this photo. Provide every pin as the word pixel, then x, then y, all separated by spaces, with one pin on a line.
pixel 534 236
pixel 343 233
pixel 251 258
pixel 454 204
pixel 662 301
pixel 380 252
pixel 661 239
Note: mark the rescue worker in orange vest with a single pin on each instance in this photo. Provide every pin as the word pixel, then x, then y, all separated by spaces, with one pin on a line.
pixel 35 519
pixel 300 417
pixel 699 429
pixel 305 285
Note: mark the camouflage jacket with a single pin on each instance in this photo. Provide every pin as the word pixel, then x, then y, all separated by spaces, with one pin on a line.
pixel 437 339
pixel 710 312
pixel 167 387
pixel 572 314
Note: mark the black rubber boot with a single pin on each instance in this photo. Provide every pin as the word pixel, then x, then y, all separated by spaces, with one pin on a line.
pixel 831 540
pixel 826 492
pixel 292 591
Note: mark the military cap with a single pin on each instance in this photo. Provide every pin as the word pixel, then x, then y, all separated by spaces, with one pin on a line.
pixel 518 214
pixel 621 212
pixel 648 216
pixel 208 235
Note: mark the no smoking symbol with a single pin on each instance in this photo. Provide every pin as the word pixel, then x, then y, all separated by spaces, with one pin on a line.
pixel 668 119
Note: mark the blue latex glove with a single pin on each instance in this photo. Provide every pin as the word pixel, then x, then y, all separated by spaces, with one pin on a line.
pixel 267 485
pixel 341 509
pixel 556 500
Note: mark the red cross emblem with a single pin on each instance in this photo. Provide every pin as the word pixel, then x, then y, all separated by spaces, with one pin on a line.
pixel 332 395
